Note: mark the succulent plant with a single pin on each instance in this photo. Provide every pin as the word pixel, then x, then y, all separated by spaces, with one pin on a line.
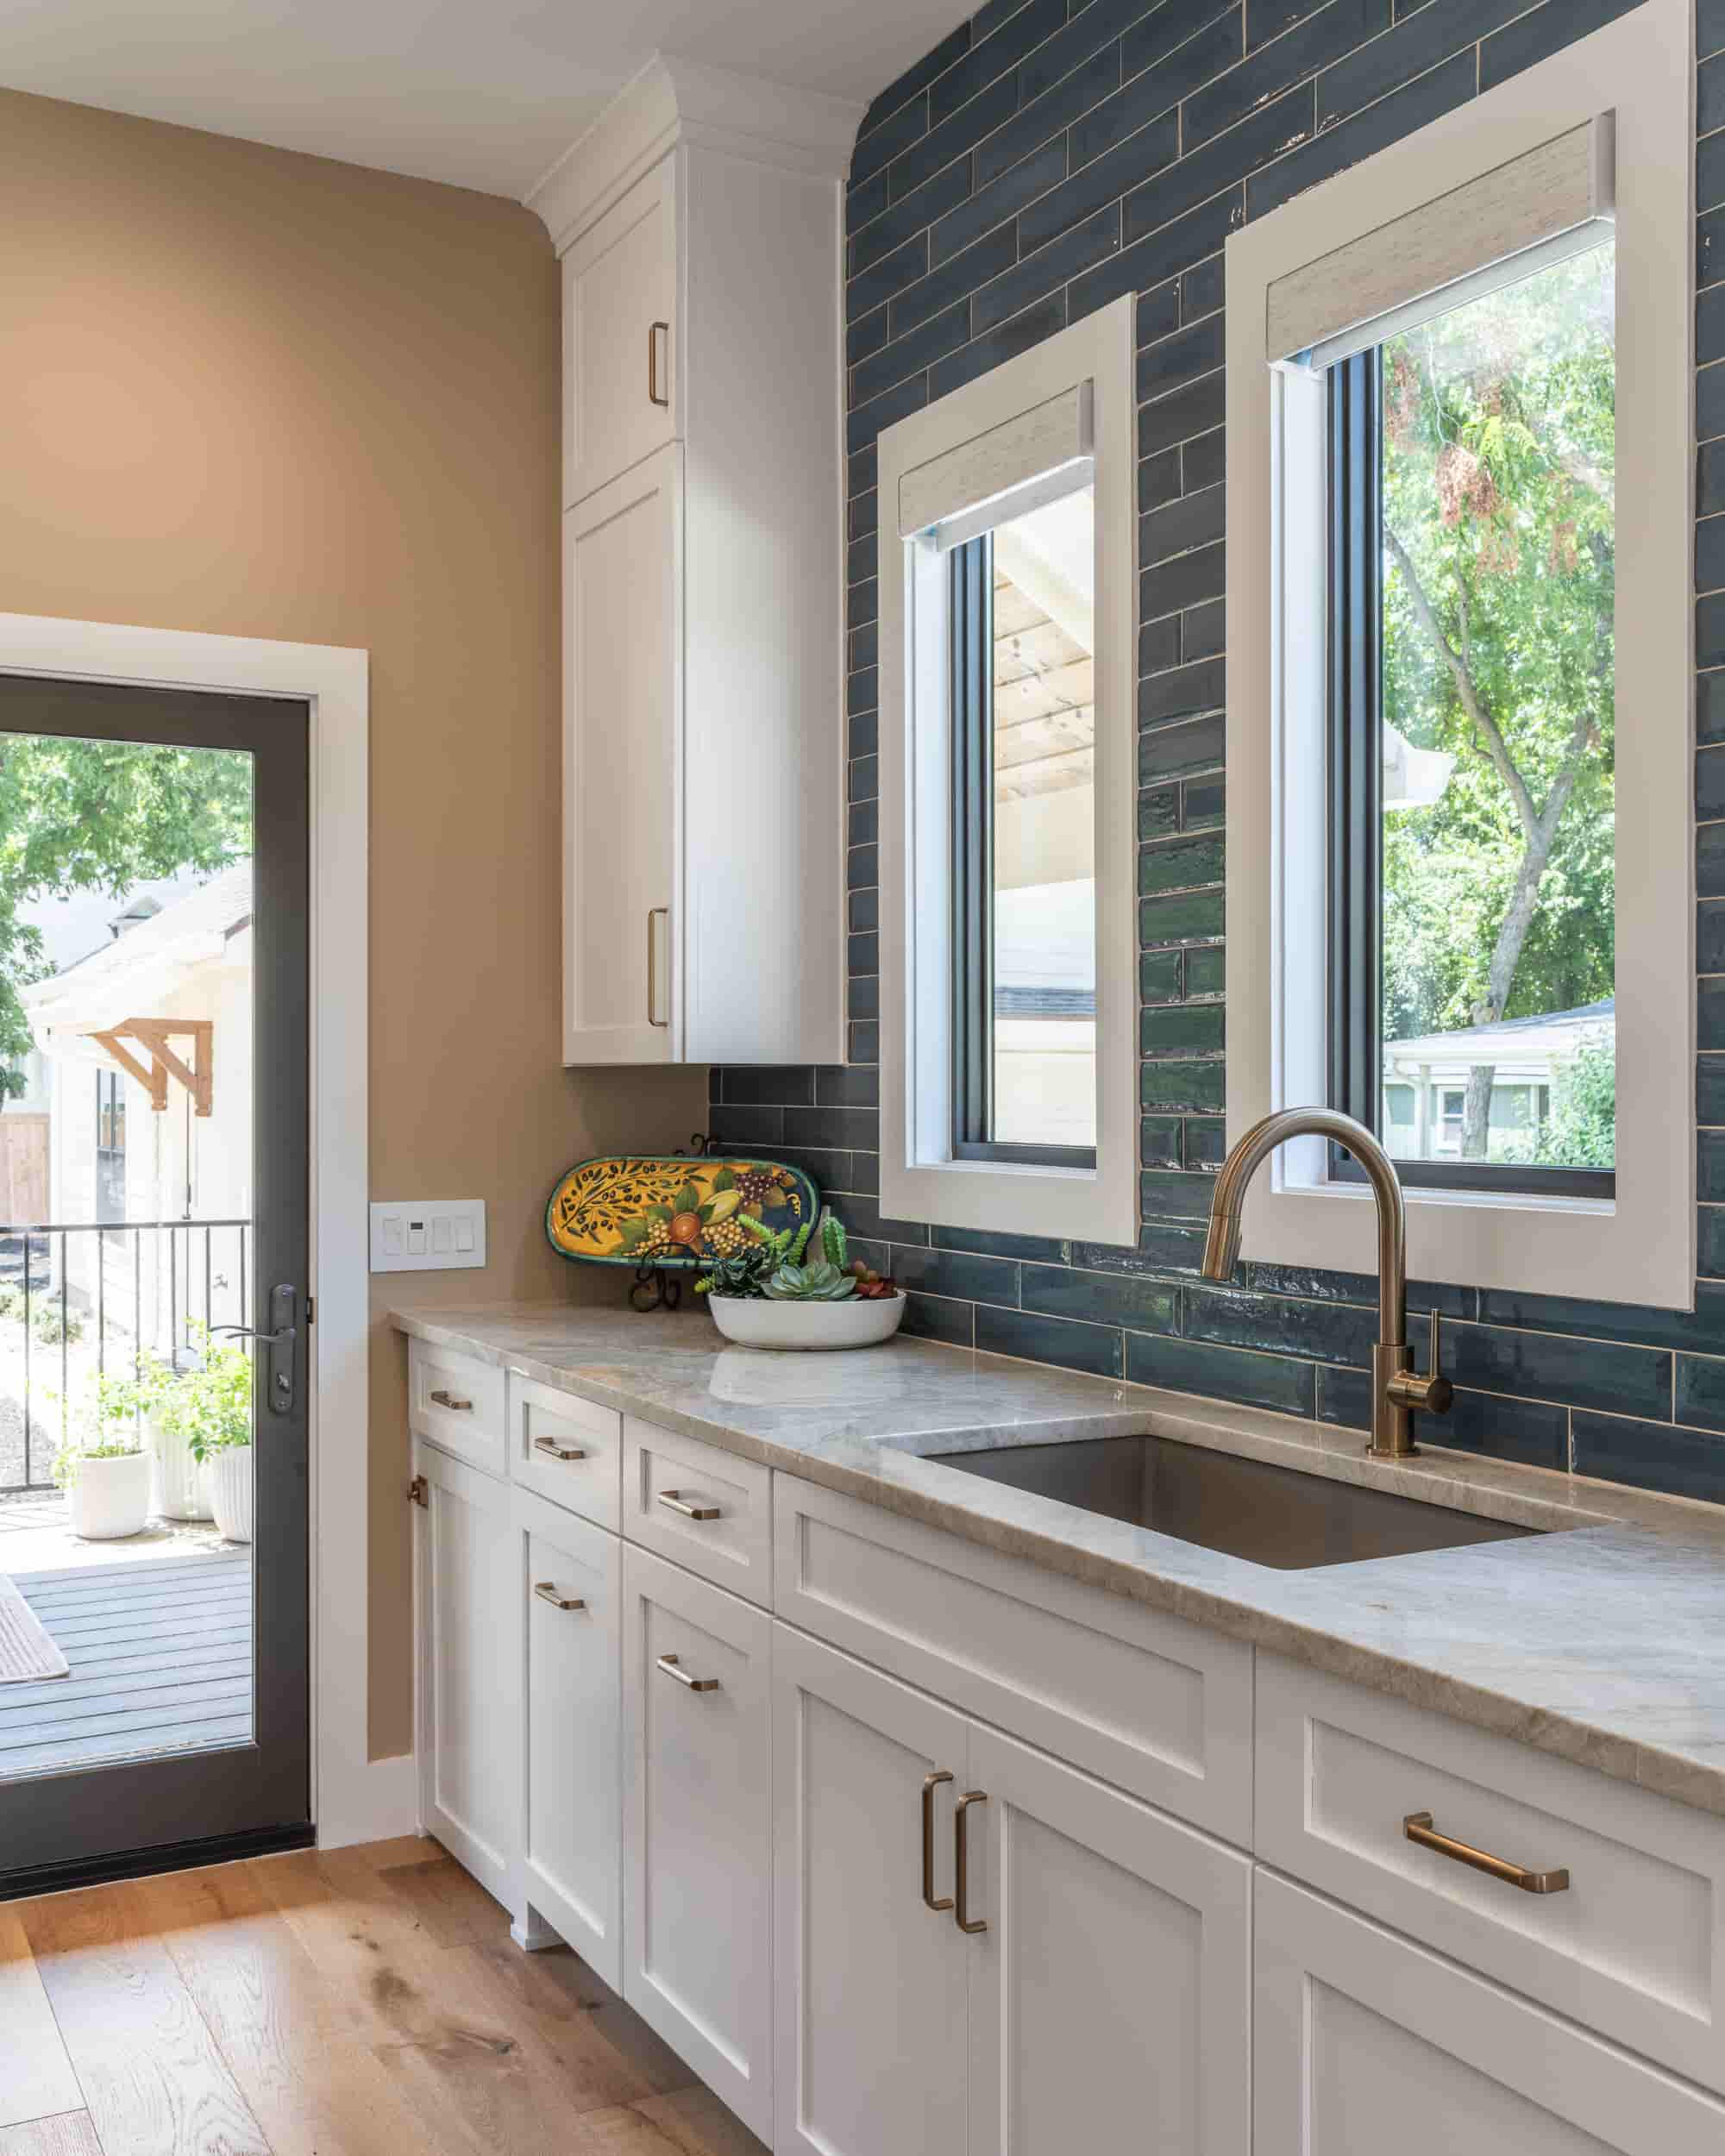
pixel 832 1240
pixel 744 1273
pixel 821 1282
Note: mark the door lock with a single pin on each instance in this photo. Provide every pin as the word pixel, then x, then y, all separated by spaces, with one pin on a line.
pixel 279 1340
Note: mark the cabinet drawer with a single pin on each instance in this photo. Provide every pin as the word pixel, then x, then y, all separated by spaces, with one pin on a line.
pixel 567 1449
pixel 698 1867
pixel 455 1402
pixel 620 336
pixel 1633 1945
pixel 706 1508
pixel 1142 1700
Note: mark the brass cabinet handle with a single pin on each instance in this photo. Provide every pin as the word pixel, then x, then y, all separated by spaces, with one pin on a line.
pixel 672 1667
pixel 559 1452
pixel 1417 1826
pixel 455 1406
pixel 652 912
pixel 653 329
pixel 931 1783
pixel 674 1500
pixel 961 1858
pixel 547 1592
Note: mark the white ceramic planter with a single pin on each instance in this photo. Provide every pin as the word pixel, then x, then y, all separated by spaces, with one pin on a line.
pixel 110 1498
pixel 858 1322
pixel 177 1483
pixel 228 1477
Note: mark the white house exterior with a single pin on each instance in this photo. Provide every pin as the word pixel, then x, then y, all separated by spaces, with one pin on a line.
pixel 1425 1080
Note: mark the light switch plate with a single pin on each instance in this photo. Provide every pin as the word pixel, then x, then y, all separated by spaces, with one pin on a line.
pixel 428 1235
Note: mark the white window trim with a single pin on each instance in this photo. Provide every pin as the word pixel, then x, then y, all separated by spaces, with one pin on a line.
pixel 919 1179
pixel 1641 1248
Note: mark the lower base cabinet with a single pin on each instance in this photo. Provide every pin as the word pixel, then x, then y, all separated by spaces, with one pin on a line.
pixel 1365 2042
pixel 697 1835
pixel 1096 1998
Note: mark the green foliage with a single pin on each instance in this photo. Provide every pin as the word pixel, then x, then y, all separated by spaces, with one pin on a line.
pixel 1581 1130
pixel 1499 486
pixel 743 1274
pixel 818 1282
pixel 102 816
pixel 209 1407
pixel 832 1239
pixel 46 1323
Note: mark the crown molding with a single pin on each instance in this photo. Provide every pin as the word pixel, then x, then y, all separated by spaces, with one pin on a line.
pixel 673 101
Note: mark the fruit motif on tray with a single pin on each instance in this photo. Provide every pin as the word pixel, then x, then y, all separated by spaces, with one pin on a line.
pixel 677 1212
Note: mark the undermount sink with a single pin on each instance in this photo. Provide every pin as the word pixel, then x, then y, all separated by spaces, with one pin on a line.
pixel 1271 1515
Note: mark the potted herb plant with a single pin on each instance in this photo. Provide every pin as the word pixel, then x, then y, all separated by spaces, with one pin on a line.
pixel 208 1409
pixel 105 1471
pixel 772 1295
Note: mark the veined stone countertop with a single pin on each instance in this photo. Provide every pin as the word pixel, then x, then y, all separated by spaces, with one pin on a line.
pixel 1603 1642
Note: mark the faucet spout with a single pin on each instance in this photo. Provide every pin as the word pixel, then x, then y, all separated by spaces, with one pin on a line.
pixel 1397 1393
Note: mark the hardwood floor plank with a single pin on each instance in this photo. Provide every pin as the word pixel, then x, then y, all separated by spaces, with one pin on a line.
pixel 154 2083
pixel 563 1993
pixel 70 2134
pixel 453 1906
pixel 698 2124
pixel 35 2071
pixel 315 2090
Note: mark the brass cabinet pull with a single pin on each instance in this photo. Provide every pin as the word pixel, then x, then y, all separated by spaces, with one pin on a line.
pixel 652 912
pixel 455 1406
pixel 653 329
pixel 961 1858
pixel 672 1667
pixel 559 1452
pixel 674 1500
pixel 547 1592
pixel 1417 1826
pixel 931 1783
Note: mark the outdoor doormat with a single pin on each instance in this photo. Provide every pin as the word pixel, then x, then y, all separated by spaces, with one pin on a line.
pixel 28 1655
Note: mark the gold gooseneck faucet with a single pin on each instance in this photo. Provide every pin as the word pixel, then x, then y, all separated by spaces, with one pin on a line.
pixel 1397 1394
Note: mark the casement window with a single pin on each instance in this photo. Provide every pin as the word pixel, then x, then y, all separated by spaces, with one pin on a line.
pixel 1008 994
pixel 1459 680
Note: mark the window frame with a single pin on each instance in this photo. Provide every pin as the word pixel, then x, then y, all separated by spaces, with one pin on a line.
pixel 1639 1243
pixel 931 1170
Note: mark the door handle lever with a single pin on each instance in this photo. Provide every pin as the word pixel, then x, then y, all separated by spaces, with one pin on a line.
pixel 278 1340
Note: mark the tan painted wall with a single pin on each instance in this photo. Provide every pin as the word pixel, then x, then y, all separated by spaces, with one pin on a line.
pixel 268 394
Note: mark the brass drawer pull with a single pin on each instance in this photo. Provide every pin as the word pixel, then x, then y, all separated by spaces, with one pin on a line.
pixel 931 1783
pixel 653 331
pixel 672 1667
pixel 674 1500
pixel 455 1406
pixel 559 1452
pixel 961 1915
pixel 1418 1828
pixel 547 1592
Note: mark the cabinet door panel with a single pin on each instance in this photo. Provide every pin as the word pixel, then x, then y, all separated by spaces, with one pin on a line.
pixel 870 1983
pixel 697 1828
pixel 1108 1994
pixel 572 1831
pixel 620 336
pixel 469 1704
pixel 1364 2042
pixel 622 560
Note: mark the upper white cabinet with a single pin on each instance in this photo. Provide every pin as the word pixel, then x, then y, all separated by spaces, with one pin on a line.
pixel 700 225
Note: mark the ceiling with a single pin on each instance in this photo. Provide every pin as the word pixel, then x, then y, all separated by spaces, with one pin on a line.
pixel 480 93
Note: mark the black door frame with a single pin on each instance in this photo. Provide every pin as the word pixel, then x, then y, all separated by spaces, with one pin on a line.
pixel 132 1816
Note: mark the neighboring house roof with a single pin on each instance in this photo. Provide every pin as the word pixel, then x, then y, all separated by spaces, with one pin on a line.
pixel 135 974
pixel 1553 1033
pixel 1011 1001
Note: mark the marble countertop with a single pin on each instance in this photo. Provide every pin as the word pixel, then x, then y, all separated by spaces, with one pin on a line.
pixel 1602 1641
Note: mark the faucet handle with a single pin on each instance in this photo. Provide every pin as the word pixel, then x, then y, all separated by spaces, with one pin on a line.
pixel 1430 1395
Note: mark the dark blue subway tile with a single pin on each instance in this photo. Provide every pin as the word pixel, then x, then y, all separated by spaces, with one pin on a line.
pixel 862 691
pixel 1101 1298
pixel 1709 553
pixel 862 1043
pixel 1709 403
pixel 1174 361
pixel 1222 1373
pixel 1418 42
pixel 1194 1088
pixel 1709 862
pixel 1701 1392
pixel 989 57
pixel 1709 1016
pixel 864 643
pixel 866 421
pixel 1037 1250
pixel 957 1273
pixel 1157 313
pixel 832 1127
pixel 1105 179
pixel 865 1173
pixel 864 201
pixel 864 733
pixel 1324 36
pixel 1204 459
pixel 1203 289
pixel 1203 632
pixel 940 192
pixel 1710 937
pixel 1158 645
pixel 737 1128
pixel 866 334
pixel 1620 1380
pixel 863 954
pixel 1206 975
pixel 865 779
pixel 1312 1283
pixel 1710 27
pixel 1709 632
pixel 1182 1028
pixel 1205 1142
pixel 912 354
pixel 1709 329
pixel 864 1217
pixel 916 79
pixel 1175 751
pixel 1545 31
pixel 860 470
pixel 1062 1341
pixel 863 822
pixel 1710 259
pixel 950 137
pixel 876 150
pixel 1171 1246
pixel 1709 1091
pixel 894 273
pixel 1325 1332
pixel 864 1003
pixel 956 279
pixel 1049 266
pixel 1184 581
pixel 768 1084
pixel 1161 976
pixel 1092 32
pixel 1184 413
pixel 1038 321
pixel 1651 1456
pixel 1165 1195
pixel 1159 1140
pixel 1710 479
pixel 930 1318
pixel 1709 172
pixel 1048 111
pixel 864 910
pixel 1001 198
pixel 1531 1433
pixel 1184 917
pixel 1158 480
pixel 1390 120
pixel 1271 131
pixel 1166 697
pixel 1710 1241
pixel 1172 53
pixel 1702 1331
pixel 1164 253
pixel 1180 864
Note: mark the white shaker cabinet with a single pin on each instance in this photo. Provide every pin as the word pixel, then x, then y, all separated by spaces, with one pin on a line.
pixel 1365 2042
pixel 697 1837
pixel 698 223
pixel 569 1585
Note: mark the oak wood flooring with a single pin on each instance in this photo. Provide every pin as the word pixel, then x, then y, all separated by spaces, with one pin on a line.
pixel 365 2002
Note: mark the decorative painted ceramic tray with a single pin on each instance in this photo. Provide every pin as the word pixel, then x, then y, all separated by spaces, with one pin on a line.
pixel 676 1213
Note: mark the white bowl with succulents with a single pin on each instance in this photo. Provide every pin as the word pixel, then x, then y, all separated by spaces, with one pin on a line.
pixel 775 1294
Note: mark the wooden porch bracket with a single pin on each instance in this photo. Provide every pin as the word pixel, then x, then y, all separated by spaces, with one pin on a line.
pixel 153 1035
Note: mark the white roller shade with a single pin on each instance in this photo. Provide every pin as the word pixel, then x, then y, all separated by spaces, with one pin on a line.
pixel 1551 201
pixel 983 478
